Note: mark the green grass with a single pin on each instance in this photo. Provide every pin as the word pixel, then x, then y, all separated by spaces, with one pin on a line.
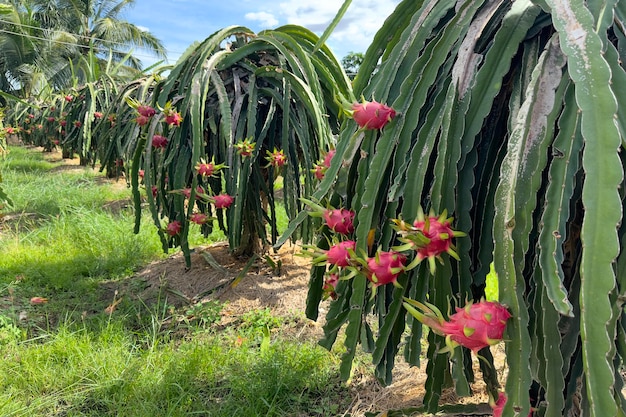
pixel 69 358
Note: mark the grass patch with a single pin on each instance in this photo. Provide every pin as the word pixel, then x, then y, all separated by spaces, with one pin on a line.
pixel 80 373
pixel 68 357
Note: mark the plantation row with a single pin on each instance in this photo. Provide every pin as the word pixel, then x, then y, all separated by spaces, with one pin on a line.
pixel 492 112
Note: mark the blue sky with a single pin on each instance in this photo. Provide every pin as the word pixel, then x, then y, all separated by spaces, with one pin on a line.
pixel 179 23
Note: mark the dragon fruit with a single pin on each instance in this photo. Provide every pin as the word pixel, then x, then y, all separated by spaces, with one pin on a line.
pixel 222 201
pixel 276 158
pixel 340 220
pixel 328 158
pixel 245 147
pixel 476 326
pixel 428 236
pixel 319 171
pixel 199 218
pixel 159 141
pixel 172 117
pixel 146 111
pixel 77 123
pixel 339 254
pixel 51 119
pixel 142 120
pixel 330 284
pixel 498 405
pixel 173 228
pixel 372 114
pixel 385 267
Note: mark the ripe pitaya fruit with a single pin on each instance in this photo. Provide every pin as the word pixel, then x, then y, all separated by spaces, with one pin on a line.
pixel 51 119
pixel 63 123
pixel 142 120
pixel 476 326
pixel 330 284
pixel 173 118
pixel 69 98
pixel 199 218
pixel 77 123
pixel 429 237
pixel 146 111
pixel 38 300
pixel 328 158
pixel 385 267
pixel 319 171
pixel 339 254
pixel 173 228
pixel 340 220
pixel 159 141
pixel 372 115
pixel 499 404
pixel 222 201
pixel 205 169
pixel 97 115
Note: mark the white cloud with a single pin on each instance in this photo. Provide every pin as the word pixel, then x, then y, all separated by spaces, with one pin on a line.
pixel 355 30
pixel 264 18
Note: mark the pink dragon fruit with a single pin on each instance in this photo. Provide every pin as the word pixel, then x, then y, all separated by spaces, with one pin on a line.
pixel 319 171
pixel 77 123
pixel 173 118
pixel 476 326
pixel 223 201
pixel 97 115
pixel 69 98
pixel 498 405
pixel 199 218
pixel 159 141
pixel 205 169
pixel 330 284
pixel 51 119
pixel 428 236
pixel 146 111
pixel 328 158
pixel 173 228
pixel 276 158
pixel 38 300
pixel 339 254
pixel 372 114
pixel 385 267
pixel 142 120
pixel 340 220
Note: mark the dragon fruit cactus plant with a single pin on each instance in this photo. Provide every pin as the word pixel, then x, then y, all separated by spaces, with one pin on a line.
pixel 476 326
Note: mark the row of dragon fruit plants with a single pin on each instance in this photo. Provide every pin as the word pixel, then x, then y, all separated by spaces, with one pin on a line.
pixel 491 113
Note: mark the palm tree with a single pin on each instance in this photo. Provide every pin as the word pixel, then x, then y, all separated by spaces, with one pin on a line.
pixel 19 49
pixel 97 25
pixel 45 40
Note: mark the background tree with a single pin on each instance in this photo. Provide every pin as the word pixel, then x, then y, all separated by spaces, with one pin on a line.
pixel 351 63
